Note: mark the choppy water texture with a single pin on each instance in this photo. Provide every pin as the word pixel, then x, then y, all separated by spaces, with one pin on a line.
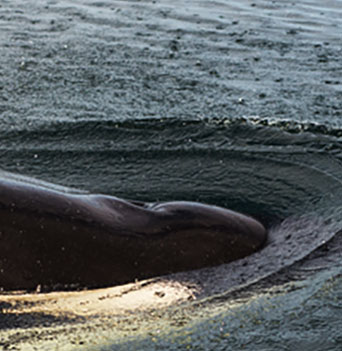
pixel 233 103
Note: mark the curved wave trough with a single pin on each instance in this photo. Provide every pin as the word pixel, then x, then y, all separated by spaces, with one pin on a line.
pixel 280 177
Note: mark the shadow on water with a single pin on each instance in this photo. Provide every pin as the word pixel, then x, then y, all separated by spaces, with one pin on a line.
pixel 32 320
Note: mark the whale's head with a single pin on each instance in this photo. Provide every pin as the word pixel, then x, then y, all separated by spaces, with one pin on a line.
pixel 220 234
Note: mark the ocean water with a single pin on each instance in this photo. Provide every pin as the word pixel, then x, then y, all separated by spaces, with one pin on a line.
pixel 232 103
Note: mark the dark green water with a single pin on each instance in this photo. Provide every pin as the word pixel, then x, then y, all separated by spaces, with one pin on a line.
pixel 232 103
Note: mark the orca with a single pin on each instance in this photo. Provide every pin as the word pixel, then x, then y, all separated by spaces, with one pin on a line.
pixel 62 240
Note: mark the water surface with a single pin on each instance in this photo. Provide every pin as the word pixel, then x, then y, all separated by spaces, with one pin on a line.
pixel 232 103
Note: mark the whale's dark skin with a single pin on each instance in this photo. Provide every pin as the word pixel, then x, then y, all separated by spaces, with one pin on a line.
pixel 56 239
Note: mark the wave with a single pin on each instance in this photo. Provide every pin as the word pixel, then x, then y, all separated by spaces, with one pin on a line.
pixel 274 170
